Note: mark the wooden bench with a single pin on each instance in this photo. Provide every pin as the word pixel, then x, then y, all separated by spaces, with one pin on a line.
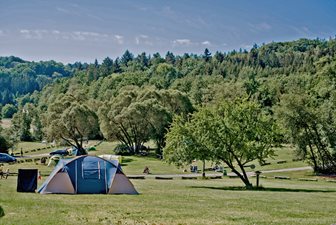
pixel 307 179
pixel 163 178
pixel 188 178
pixel 215 177
pixel 136 177
pixel 282 177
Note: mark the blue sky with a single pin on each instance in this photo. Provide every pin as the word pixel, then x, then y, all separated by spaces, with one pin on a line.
pixel 82 30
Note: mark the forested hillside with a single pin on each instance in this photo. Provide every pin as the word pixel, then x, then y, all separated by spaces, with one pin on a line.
pixel 19 77
pixel 134 98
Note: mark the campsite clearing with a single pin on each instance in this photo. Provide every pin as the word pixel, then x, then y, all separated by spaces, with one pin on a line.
pixel 178 202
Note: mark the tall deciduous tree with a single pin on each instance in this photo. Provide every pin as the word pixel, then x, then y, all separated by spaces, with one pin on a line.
pixel 21 124
pixel 311 128
pixel 71 121
pixel 5 143
pixel 235 133
pixel 8 111
pixel 135 116
pixel 185 143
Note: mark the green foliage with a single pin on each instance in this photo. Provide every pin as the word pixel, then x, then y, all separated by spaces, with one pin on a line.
pixel 126 58
pixel 19 77
pixel 235 133
pixel 21 124
pixel 2 212
pixel 8 111
pixel 311 126
pixel 185 143
pixel 70 120
pixel 5 140
pixel 135 116
pixel 122 149
pixel 207 55
pixel 265 74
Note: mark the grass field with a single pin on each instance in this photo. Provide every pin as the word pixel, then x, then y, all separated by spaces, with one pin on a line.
pixel 177 201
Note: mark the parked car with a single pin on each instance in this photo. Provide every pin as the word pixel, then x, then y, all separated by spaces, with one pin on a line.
pixel 7 158
pixel 59 152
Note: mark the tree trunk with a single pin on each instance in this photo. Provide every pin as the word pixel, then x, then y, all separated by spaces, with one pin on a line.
pixel 313 157
pixel 203 169
pixel 80 149
pixel 244 176
pixel 245 180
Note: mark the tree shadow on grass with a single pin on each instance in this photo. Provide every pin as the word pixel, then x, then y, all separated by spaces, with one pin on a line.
pixel 125 161
pixel 272 189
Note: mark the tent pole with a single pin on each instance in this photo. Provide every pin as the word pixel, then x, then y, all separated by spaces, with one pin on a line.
pixel 105 177
pixel 76 175
pixel 98 170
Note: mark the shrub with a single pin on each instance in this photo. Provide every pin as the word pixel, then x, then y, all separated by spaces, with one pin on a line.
pixel 122 149
pixel 2 212
pixel 8 111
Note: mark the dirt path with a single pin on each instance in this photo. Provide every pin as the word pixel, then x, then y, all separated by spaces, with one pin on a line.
pixel 219 174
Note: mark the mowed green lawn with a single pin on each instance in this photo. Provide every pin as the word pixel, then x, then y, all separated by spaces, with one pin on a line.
pixel 177 201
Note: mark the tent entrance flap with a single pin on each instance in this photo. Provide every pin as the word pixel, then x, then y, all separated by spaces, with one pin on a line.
pixel 122 185
pixel 92 178
pixel 61 183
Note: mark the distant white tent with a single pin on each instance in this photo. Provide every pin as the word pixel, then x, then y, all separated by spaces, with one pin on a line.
pixel 112 157
pixel 87 175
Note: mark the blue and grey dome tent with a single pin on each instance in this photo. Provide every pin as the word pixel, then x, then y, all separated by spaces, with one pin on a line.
pixel 87 175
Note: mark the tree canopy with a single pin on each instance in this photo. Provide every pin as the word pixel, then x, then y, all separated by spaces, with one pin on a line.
pixel 235 133
pixel 71 121
pixel 131 87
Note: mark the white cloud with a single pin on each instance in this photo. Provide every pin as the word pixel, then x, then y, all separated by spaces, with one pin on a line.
pixel 143 39
pixel 33 34
pixel 86 35
pixel 56 34
pixel 77 35
pixel 119 39
pixel 182 42
pixel 206 43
